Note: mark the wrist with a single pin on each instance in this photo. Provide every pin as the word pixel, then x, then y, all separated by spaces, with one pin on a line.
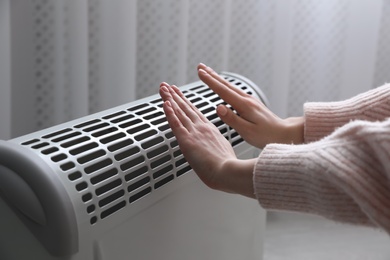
pixel 294 130
pixel 237 177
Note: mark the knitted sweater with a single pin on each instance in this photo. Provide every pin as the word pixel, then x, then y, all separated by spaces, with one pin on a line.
pixel 342 171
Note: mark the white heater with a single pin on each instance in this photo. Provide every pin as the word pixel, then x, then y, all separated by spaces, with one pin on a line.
pixel 114 185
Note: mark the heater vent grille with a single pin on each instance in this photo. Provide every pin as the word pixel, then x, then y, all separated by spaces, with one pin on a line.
pixel 116 159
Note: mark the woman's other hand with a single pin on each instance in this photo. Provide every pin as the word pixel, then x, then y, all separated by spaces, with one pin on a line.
pixel 254 122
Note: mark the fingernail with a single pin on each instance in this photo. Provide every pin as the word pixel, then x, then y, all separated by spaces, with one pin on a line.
pixel 202 71
pixel 164 88
pixel 168 103
pixel 222 110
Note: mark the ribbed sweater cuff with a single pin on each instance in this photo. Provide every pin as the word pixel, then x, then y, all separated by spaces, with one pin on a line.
pixel 286 177
pixel 322 118
pixel 278 181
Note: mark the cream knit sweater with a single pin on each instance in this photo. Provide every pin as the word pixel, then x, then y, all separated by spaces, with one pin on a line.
pixel 342 172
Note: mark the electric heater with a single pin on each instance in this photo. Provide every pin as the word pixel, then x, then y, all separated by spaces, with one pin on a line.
pixel 114 185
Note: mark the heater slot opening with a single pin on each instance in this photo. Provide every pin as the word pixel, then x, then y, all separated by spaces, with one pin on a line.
pixel 132 163
pixel 156 101
pixel 136 173
pixel 123 118
pixel 126 154
pixel 74 176
pixel 104 176
pixel 180 162
pixel 183 171
pixel 81 186
pixel 140 195
pixel 82 125
pixel 164 181
pixel 57 133
pixel 114 115
pixel 152 142
pixel 158 151
pixel 83 148
pixel 67 166
pixel 39 146
pixel 145 135
pixel 95 127
pixel 130 123
pixel 109 199
pixel 138 184
pixel 91 208
pixel 91 156
pixel 163 171
pixel 86 197
pixel 237 142
pixel 197 87
pixel 137 107
pixel 142 112
pixel 112 138
pixel 137 129
pixel 31 142
pixel 93 220
pixel 215 99
pixel 62 138
pixel 169 135
pixel 208 110
pixel 108 187
pixel 112 210
pixel 194 100
pixel 160 161
pixel 120 145
pixel 203 104
pixel 59 157
pixel 212 117
pixel 203 91
pixel 158 121
pixel 154 115
pixel 177 153
pixel 75 141
pixel 97 166
pixel 163 127
pixel 104 132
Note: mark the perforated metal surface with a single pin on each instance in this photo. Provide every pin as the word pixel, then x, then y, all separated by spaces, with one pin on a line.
pixel 118 158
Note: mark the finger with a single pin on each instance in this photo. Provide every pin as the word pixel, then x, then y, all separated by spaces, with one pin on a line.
pixel 218 77
pixel 167 94
pixel 177 127
pixel 164 91
pixel 181 114
pixel 233 120
pixel 184 104
pixel 227 94
pixel 192 106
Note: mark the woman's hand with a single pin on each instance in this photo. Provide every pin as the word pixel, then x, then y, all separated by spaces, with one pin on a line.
pixel 207 151
pixel 254 122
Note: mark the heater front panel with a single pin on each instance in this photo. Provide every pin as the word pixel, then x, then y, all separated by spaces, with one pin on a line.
pixel 118 162
pixel 113 159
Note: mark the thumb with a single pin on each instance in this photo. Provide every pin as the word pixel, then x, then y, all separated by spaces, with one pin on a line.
pixel 232 119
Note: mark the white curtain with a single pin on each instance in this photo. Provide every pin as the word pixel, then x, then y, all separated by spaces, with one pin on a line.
pixel 63 59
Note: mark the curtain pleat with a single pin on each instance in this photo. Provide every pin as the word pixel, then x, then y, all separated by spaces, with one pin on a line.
pixel 67 59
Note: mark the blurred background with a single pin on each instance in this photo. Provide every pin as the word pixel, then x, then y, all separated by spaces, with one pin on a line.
pixel 63 59
pixel 60 59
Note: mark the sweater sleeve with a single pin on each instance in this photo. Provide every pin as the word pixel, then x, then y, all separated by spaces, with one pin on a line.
pixel 322 118
pixel 343 177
